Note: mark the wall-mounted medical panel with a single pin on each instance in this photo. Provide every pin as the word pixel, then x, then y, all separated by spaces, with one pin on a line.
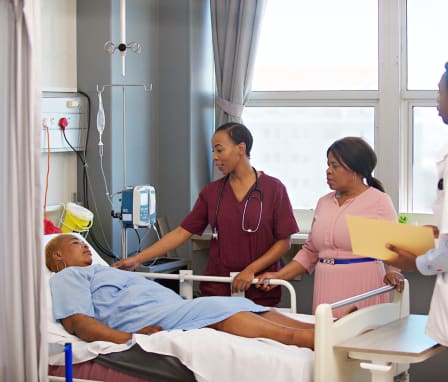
pixel 64 114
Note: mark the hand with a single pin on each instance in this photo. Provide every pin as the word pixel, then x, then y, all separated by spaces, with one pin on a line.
pixel 242 280
pixel 404 260
pixel 266 276
pixel 150 330
pixel 435 230
pixel 395 279
pixel 128 264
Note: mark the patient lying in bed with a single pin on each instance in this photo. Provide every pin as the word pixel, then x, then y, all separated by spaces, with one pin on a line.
pixel 96 302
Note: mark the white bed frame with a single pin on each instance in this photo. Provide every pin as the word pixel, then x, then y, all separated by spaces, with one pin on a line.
pixel 186 279
pixel 338 357
pixel 337 366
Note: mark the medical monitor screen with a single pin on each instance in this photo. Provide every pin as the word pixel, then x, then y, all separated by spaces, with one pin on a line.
pixel 144 196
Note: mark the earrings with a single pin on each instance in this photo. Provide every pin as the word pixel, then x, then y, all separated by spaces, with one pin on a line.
pixel 57 266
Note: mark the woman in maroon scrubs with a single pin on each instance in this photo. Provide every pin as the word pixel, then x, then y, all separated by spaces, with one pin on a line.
pixel 249 213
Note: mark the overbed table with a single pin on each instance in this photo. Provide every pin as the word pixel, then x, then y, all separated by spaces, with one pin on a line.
pixel 398 343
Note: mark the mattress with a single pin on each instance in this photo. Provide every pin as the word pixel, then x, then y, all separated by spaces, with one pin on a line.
pixel 132 365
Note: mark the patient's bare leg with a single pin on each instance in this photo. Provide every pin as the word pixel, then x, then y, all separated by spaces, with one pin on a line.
pixel 251 325
pixel 281 319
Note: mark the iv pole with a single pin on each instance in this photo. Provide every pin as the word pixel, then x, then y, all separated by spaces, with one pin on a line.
pixel 124 250
pixel 110 47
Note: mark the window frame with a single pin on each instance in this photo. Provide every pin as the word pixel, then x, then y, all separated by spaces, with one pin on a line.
pixel 392 104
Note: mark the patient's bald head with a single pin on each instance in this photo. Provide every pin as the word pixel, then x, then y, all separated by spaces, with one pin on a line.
pixel 66 250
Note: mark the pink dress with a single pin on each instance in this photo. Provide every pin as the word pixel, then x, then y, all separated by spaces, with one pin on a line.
pixel 329 238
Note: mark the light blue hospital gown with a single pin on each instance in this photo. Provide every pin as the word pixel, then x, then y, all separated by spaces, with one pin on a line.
pixel 127 301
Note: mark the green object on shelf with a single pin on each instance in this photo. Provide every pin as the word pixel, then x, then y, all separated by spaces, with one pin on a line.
pixel 402 219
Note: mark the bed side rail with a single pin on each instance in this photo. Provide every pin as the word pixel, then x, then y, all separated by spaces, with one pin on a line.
pixel 362 296
pixel 186 279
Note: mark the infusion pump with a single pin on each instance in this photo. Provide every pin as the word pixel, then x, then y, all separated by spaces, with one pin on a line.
pixel 138 207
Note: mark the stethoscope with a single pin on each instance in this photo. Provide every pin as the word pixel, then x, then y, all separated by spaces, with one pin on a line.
pixel 250 195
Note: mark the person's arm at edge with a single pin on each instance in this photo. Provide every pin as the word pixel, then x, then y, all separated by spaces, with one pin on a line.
pixel 168 242
pixel 387 211
pixel 89 329
pixel 405 260
pixel 431 263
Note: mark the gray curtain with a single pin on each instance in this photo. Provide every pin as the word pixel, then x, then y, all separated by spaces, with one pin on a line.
pixel 235 28
pixel 23 350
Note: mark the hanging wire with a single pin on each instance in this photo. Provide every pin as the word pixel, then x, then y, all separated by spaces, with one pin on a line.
pixel 47 133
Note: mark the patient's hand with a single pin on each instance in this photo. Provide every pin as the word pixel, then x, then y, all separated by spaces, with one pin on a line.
pixel 395 279
pixel 150 330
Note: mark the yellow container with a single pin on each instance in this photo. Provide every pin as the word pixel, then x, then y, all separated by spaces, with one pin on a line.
pixel 76 218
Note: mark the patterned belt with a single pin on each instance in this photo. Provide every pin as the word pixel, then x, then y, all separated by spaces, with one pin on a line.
pixel 332 261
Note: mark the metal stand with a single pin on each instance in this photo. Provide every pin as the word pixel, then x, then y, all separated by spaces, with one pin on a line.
pixel 124 251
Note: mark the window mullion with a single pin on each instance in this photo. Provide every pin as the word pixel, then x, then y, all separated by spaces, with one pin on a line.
pixel 387 142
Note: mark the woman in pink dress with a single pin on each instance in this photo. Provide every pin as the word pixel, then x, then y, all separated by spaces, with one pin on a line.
pixel 339 273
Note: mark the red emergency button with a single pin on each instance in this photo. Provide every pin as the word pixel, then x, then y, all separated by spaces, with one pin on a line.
pixel 63 123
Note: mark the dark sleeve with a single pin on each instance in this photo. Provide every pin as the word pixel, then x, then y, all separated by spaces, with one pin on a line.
pixel 285 222
pixel 197 220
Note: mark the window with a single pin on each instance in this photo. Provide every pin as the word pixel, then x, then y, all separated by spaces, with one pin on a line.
pixel 306 134
pixel 426 28
pixel 363 68
pixel 303 48
pixel 426 31
pixel 429 136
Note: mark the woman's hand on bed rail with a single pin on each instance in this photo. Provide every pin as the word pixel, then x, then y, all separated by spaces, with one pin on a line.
pixel 396 279
pixel 263 281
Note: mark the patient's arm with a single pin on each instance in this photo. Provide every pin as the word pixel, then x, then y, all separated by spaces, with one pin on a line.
pixel 89 329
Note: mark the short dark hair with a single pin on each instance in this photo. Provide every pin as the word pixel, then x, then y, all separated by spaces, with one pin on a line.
pixel 238 133
pixel 355 154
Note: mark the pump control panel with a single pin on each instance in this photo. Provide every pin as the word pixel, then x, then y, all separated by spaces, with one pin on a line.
pixel 138 207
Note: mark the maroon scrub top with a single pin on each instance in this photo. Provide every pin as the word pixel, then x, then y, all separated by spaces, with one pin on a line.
pixel 235 249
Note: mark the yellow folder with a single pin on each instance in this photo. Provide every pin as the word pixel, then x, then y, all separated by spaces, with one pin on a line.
pixel 370 236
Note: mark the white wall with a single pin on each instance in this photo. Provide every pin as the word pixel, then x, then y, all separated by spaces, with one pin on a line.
pixel 62 179
pixel 59 73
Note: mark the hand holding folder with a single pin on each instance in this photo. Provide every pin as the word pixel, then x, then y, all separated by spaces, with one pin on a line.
pixel 370 236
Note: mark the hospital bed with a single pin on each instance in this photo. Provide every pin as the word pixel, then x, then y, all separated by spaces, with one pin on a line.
pixel 344 349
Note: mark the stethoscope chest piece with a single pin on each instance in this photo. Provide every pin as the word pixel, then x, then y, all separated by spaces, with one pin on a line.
pixel 250 196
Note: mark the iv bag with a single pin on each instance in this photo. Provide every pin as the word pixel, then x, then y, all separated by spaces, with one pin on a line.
pixel 100 117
